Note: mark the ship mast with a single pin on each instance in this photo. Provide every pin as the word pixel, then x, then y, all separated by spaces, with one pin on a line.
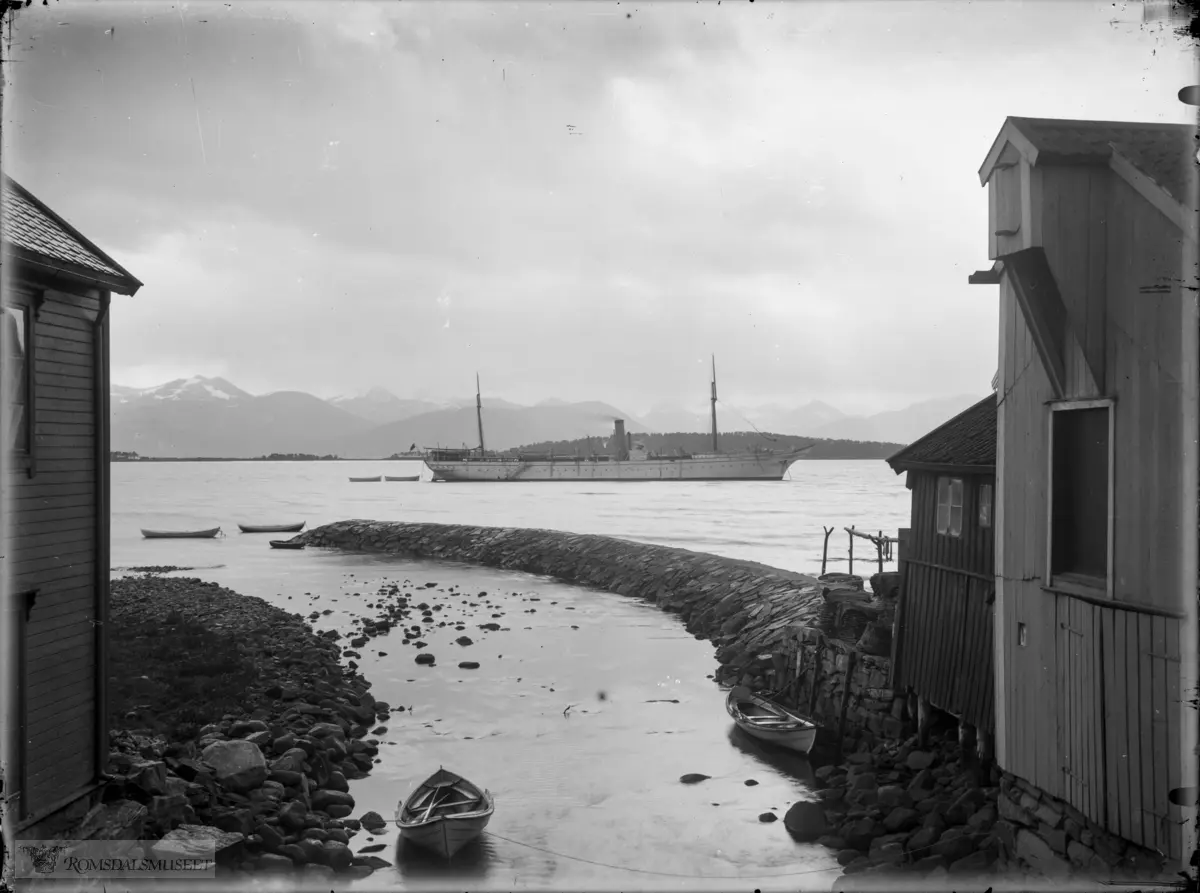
pixel 716 449
pixel 479 413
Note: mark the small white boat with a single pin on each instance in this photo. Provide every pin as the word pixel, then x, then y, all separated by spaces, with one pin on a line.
pixel 407 477
pixel 374 480
pixel 181 534
pixel 767 721
pixel 445 813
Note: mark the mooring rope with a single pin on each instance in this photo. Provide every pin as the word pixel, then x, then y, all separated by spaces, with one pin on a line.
pixel 730 877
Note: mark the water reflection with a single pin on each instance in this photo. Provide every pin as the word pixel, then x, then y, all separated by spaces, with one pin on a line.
pixel 786 762
pixel 419 866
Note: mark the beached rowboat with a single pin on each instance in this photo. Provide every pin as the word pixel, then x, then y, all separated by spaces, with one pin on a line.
pixel 407 477
pixel 180 534
pixel 445 813
pixel 767 721
pixel 272 528
pixel 374 480
pixel 286 544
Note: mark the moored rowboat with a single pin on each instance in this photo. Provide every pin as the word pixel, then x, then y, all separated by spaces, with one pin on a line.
pixel 373 480
pixel 767 721
pixel 180 534
pixel 272 528
pixel 407 477
pixel 286 544
pixel 445 813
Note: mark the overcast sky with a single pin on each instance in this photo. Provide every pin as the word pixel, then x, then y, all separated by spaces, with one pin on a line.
pixel 576 200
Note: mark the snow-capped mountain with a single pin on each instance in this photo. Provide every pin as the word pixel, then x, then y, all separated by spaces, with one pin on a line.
pixel 195 388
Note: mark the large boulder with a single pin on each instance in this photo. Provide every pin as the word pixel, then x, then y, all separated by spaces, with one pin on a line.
pixel 239 765
pixel 805 821
pixel 200 842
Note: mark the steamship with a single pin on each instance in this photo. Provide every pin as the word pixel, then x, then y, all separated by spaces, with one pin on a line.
pixel 626 460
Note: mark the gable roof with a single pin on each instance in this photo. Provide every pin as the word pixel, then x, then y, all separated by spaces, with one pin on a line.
pixel 36 234
pixel 967 442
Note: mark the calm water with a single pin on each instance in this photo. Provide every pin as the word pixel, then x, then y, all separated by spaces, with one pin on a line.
pixel 589 799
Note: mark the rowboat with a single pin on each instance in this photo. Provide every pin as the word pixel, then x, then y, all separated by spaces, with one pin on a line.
pixel 286 544
pixel 180 534
pixel 407 477
pixel 272 528
pixel 373 480
pixel 445 813
pixel 767 721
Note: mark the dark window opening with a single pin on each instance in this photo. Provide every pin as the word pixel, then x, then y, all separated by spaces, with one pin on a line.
pixel 1079 494
pixel 950 506
pixel 14 342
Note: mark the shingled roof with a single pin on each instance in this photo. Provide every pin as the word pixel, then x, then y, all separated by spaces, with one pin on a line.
pixel 1163 152
pixel 36 234
pixel 967 442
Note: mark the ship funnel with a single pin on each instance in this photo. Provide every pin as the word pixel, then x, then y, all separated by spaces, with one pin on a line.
pixel 620 441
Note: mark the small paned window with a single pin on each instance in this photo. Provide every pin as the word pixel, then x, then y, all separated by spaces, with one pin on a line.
pixel 950 506
pixel 985 505
pixel 16 377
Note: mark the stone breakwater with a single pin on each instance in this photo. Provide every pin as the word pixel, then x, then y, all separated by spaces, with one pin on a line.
pixel 746 609
pixel 267 781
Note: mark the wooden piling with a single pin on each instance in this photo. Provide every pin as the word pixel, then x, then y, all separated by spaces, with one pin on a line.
pixel 825 549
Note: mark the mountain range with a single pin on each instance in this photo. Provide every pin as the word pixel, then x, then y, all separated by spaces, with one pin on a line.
pixel 211 417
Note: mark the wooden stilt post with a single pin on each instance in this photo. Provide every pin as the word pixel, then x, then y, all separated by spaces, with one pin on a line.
pixel 825 550
pixel 879 550
pixel 851 536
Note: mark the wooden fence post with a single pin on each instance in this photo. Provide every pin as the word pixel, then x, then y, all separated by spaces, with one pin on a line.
pixel 825 549
pixel 851 537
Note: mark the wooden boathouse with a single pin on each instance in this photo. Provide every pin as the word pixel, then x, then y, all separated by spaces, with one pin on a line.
pixel 55 381
pixel 1092 234
pixel 943 646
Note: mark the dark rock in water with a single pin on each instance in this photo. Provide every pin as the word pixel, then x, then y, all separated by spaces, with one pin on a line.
pixel 373 848
pixel 464 640
pixel 373 822
pixel 750 782
pixel 372 862
pixel 468 665
pixel 806 821
pixel 381 730
pixel 768 817
pixel 693 778
pixel 323 799
pixel 425 657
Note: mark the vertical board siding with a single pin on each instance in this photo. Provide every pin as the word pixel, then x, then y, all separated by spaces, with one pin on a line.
pixel 944 651
pixel 58 557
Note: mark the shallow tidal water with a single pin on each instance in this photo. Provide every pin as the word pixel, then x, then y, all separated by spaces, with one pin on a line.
pixel 589 800
pixel 587 797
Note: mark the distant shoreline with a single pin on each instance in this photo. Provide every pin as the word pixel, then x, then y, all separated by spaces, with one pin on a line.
pixel 407 459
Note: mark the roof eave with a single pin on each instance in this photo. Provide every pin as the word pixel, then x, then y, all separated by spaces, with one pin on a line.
pixel 128 279
pixel 947 468
pixel 1153 192
pixel 56 268
pixel 1010 133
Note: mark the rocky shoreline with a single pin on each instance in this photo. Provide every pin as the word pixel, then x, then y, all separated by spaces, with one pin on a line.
pixel 266 782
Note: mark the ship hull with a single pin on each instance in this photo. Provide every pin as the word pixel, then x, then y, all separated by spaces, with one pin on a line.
pixel 758 467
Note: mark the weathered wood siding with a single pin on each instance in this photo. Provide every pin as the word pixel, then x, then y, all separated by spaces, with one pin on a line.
pixel 53 549
pixel 944 645
pixel 1091 703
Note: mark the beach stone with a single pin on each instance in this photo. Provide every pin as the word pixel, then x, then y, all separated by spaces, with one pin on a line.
pixel 246 727
pixel 149 776
pixel 767 817
pixel 270 836
pixel 846 856
pixel 425 657
pixel 326 729
pixel 693 778
pixel 203 841
pixel 294 852
pixel 323 799
pixel 337 855
pixel 806 821
pixel 316 870
pixel 919 759
pixel 292 815
pixel 468 665
pixel 373 822
pixel 274 862
pixel 464 641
